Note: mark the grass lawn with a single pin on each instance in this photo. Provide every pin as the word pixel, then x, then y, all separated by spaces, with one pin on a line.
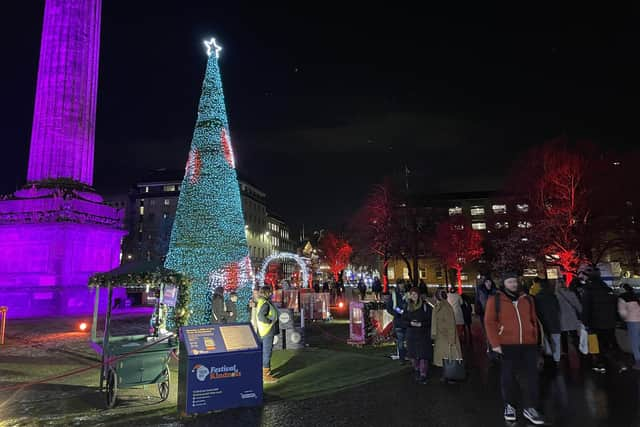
pixel 327 366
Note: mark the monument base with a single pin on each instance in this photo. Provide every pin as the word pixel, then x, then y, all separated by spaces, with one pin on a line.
pixel 53 240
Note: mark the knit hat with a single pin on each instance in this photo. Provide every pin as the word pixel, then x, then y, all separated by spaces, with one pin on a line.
pixel 508 275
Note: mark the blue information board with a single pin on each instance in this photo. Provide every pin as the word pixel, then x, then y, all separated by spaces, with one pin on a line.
pixel 220 367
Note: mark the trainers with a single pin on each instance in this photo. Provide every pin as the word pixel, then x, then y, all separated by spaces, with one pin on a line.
pixel 509 413
pixel 533 416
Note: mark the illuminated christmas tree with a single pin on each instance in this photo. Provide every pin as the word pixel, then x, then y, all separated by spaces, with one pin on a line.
pixel 208 241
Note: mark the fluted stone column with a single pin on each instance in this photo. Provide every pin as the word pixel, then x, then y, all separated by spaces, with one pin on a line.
pixel 62 139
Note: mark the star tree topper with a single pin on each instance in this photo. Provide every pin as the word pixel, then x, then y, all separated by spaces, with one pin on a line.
pixel 213 47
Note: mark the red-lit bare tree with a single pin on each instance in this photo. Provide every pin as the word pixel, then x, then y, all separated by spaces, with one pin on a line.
pixel 373 228
pixel 577 206
pixel 337 252
pixel 457 244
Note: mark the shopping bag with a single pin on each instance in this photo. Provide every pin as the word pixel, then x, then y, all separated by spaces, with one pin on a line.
pixel 548 347
pixel 594 346
pixel 583 345
pixel 453 369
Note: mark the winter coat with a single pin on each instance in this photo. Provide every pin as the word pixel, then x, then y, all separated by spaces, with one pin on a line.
pixel 232 311
pixel 443 330
pixel 599 306
pixel 482 295
pixel 515 323
pixel 422 287
pixel 396 300
pixel 219 314
pixel 548 310
pixel 467 311
pixel 570 309
pixel 455 301
pixel 629 308
pixel 419 337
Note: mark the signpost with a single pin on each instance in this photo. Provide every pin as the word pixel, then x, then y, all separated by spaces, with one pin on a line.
pixel 220 367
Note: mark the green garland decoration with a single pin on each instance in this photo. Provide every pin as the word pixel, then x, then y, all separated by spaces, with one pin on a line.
pixel 177 317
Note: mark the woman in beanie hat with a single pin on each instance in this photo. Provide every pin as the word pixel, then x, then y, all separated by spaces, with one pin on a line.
pixel 419 349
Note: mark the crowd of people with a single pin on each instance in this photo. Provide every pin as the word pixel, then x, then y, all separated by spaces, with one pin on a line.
pixel 520 324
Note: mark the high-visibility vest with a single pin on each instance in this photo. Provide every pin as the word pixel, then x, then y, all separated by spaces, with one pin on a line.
pixel 263 327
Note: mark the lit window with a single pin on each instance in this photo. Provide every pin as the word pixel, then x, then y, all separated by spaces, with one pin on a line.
pixel 499 209
pixel 169 188
pixel 456 210
pixel 500 225
pixel 405 273
pixel 464 277
pixel 479 226
pixel 146 189
pixel 423 273
pixel 522 207
pixel 477 210
pixel 390 273
pixel 167 202
pixel 524 224
pixel 141 210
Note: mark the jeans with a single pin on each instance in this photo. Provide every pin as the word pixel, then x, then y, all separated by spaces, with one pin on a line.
pixel 267 348
pixel 523 358
pixel 400 343
pixel 633 329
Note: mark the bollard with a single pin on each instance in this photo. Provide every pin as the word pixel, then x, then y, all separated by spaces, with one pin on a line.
pixel 3 313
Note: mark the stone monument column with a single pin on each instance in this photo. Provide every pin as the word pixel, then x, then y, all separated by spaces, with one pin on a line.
pixel 64 120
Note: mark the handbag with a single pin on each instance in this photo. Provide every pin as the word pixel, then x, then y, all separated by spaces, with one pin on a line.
pixel 594 345
pixel 583 345
pixel 453 369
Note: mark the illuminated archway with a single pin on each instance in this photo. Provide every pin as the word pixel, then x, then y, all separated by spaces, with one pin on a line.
pixel 282 257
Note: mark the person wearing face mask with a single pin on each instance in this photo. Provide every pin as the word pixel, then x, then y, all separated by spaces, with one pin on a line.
pixel 512 329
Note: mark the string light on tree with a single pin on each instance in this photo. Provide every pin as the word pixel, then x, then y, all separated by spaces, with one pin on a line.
pixel 208 241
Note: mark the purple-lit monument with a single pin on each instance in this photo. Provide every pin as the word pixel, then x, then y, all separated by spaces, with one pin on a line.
pixel 56 232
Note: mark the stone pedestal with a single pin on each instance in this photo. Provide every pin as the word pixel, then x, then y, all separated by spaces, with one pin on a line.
pixel 52 241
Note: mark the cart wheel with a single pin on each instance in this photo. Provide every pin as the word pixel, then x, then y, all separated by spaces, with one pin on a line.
pixel 163 387
pixel 112 388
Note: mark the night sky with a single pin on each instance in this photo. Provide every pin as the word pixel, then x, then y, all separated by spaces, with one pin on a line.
pixel 325 101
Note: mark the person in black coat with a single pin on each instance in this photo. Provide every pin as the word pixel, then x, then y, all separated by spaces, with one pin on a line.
pixel 548 311
pixel 599 315
pixel 422 287
pixel 467 314
pixel 363 289
pixel 417 316
pixel 395 306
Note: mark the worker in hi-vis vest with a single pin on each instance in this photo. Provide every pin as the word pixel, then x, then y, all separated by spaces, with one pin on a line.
pixel 268 328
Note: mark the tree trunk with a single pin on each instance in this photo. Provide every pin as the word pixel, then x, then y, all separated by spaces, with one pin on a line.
pixel 459 279
pixel 408 264
pixel 385 275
